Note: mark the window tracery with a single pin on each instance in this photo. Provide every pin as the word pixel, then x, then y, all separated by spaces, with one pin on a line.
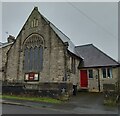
pixel 33 53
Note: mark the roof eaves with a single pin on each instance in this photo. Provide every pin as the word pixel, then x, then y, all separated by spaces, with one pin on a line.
pixel 100 66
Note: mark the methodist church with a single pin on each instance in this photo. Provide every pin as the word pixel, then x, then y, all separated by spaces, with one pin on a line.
pixel 41 56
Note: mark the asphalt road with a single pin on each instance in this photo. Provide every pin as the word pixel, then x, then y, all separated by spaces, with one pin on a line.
pixel 89 103
pixel 83 103
pixel 14 109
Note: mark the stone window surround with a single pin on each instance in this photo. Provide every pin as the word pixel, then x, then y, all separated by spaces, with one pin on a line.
pixel 33 41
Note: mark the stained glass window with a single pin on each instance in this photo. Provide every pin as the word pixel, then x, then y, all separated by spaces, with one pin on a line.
pixel 36 50
pixel 31 63
pixel 26 59
pixel 41 57
pixel 33 54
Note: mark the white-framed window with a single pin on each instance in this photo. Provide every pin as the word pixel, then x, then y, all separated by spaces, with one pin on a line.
pixel 107 72
pixel 90 73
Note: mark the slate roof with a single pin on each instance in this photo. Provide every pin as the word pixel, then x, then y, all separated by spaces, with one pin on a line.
pixel 63 37
pixel 93 57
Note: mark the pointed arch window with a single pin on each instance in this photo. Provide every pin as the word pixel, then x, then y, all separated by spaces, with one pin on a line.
pixel 31 57
pixel 33 54
pixel 41 58
pixel 26 61
pixel 36 49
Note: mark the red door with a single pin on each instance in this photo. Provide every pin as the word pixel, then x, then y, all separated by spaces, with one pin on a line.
pixel 83 78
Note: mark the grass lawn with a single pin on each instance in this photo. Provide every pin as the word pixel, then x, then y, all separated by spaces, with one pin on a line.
pixel 36 99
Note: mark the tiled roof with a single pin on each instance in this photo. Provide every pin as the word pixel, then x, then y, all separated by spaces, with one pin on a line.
pixel 93 57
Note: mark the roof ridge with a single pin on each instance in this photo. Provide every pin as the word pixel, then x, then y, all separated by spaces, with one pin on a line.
pixel 106 54
pixel 99 51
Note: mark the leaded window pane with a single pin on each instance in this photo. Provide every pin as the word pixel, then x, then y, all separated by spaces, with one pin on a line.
pixel 36 50
pixel 26 63
pixel 31 58
pixel 41 58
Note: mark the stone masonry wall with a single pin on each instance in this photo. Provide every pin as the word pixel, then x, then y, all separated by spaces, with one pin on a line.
pixel 112 80
pixel 74 78
pixel 3 60
pixel 53 53
pixel 93 82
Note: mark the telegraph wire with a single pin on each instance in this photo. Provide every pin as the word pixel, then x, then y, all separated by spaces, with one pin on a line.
pixel 92 20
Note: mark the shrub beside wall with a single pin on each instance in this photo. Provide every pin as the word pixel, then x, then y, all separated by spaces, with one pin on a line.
pixel 110 94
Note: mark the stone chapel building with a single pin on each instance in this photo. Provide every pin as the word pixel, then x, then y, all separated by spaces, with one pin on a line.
pixel 41 53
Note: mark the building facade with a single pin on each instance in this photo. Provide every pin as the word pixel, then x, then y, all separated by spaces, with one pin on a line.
pixel 41 53
pixel 97 68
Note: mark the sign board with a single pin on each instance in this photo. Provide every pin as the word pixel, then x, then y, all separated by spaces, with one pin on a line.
pixel 31 76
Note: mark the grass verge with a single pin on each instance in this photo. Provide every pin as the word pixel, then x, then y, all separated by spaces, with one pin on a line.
pixel 110 102
pixel 35 99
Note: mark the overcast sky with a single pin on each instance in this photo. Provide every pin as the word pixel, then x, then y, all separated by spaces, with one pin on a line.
pixel 83 23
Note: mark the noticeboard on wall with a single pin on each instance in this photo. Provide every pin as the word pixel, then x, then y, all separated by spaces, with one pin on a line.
pixel 31 76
